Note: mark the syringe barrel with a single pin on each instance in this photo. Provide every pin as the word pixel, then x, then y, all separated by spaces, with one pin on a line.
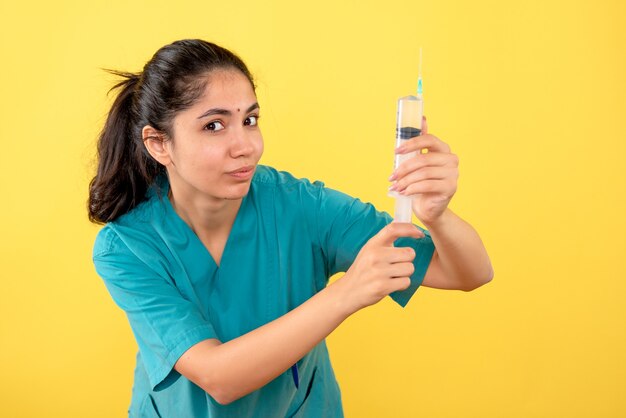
pixel 408 126
pixel 408 123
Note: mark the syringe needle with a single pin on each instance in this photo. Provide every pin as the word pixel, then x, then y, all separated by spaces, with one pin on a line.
pixel 419 75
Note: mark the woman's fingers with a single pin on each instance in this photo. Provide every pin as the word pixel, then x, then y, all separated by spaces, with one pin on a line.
pixel 426 173
pixel 386 236
pixel 446 188
pixel 393 255
pixel 400 283
pixel 424 160
pixel 401 270
pixel 431 142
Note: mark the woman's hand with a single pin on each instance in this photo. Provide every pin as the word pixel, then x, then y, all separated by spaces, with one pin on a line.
pixel 380 268
pixel 430 178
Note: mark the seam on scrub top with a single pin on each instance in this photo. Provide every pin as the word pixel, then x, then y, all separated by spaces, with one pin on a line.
pixel 108 230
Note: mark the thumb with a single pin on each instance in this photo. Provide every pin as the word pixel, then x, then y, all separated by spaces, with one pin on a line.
pixel 424 126
pixel 390 233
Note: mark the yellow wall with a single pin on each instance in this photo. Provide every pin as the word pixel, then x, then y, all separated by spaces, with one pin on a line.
pixel 529 94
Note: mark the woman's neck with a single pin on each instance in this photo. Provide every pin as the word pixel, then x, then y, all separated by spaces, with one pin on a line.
pixel 205 214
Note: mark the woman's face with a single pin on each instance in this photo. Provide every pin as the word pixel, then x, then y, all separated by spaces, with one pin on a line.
pixel 217 142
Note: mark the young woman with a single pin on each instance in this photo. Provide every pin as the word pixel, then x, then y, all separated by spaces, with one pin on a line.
pixel 221 264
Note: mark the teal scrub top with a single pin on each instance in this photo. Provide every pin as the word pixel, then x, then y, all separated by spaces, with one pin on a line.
pixel 288 238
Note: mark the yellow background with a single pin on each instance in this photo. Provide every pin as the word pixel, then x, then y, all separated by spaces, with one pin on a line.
pixel 529 94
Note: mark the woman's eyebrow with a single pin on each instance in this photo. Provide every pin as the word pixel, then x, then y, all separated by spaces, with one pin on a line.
pixel 220 111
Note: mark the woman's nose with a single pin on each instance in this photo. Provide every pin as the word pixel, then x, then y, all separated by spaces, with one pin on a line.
pixel 241 145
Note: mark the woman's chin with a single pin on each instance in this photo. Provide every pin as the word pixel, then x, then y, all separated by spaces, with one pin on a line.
pixel 237 194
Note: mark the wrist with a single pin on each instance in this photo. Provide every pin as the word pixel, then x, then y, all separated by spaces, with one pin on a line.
pixel 341 297
pixel 440 221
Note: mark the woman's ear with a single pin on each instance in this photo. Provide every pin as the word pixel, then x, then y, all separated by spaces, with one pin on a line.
pixel 155 142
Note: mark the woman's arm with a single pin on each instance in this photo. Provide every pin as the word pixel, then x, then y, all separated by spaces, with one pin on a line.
pixel 460 260
pixel 233 369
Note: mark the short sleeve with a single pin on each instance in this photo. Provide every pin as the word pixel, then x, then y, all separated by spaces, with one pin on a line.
pixel 345 224
pixel 164 323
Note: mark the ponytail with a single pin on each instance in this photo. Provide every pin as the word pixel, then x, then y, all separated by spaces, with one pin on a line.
pixel 125 169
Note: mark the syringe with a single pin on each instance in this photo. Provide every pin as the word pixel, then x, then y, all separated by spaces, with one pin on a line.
pixel 408 125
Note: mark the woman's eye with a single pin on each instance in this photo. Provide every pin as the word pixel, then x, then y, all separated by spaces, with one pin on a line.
pixel 214 126
pixel 251 120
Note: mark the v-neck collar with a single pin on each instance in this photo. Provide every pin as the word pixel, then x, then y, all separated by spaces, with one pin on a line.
pixel 194 240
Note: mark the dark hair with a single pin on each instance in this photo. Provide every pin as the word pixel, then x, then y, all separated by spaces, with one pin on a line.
pixel 170 82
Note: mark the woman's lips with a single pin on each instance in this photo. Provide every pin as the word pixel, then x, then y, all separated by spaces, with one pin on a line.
pixel 243 173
